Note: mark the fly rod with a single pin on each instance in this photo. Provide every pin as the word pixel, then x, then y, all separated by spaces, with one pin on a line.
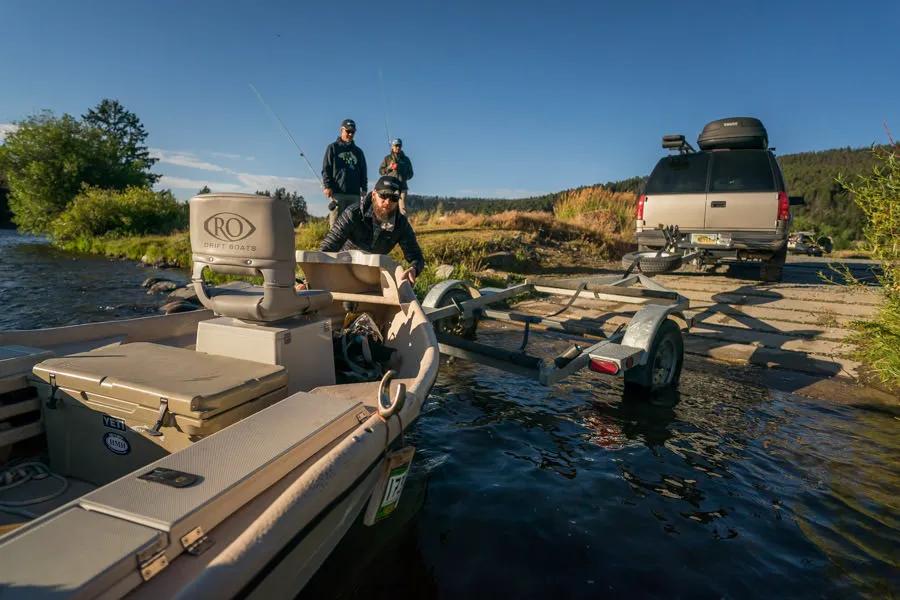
pixel 387 130
pixel 280 122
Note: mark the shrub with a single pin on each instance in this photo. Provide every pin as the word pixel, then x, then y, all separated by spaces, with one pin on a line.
pixel 878 196
pixel 98 212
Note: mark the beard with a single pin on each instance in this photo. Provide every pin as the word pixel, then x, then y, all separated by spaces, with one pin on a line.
pixel 383 214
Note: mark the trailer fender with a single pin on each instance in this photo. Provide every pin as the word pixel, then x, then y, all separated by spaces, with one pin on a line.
pixel 643 327
pixel 439 290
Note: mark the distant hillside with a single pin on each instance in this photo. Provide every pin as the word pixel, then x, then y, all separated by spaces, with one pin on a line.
pixel 812 175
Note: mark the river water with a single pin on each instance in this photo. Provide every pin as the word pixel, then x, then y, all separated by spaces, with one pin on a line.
pixel 730 489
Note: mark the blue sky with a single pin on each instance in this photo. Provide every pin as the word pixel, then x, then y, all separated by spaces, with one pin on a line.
pixel 491 98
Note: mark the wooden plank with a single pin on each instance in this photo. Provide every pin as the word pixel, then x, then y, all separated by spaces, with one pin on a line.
pixel 19 408
pixel 17 434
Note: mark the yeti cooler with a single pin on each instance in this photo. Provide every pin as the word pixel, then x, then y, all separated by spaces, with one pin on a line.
pixel 733 134
pixel 115 409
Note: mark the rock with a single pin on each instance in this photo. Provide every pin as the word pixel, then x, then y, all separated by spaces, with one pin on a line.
pixel 493 275
pixel 177 306
pixel 162 286
pixel 150 281
pixel 500 260
pixel 444 271
pixel 186 293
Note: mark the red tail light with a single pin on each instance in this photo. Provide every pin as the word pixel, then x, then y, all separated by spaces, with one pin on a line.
pixel 640 207
pixel 603 366
pixel 784 207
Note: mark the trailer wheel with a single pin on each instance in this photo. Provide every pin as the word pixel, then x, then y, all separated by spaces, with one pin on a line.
pixel 664 362
pixel 458 325
pixel 652 264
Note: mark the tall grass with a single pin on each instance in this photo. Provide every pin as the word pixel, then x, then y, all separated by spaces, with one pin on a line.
pixel 598 209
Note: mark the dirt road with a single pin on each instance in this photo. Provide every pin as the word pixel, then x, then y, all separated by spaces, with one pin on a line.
pixel 801 324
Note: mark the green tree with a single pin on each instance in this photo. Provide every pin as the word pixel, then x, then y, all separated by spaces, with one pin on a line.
pixel 48 159
pixel 122 125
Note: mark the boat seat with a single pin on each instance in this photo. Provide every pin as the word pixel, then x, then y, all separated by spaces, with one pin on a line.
pixel 250 235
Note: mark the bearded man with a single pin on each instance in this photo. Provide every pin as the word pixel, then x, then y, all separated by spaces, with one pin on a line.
pixel 376 226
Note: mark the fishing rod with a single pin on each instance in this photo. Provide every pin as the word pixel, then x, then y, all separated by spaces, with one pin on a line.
pixel 387 130
pixel 280 122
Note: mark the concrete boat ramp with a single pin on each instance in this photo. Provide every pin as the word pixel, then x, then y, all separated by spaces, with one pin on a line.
pixel 801 324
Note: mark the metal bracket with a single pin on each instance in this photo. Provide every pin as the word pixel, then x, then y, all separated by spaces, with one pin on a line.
pixel 163 409
pixel 152 567
pixel 52 400
pixel 195 542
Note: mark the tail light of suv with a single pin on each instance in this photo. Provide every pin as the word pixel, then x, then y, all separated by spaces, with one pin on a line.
pixel 640 207
pixel 784 207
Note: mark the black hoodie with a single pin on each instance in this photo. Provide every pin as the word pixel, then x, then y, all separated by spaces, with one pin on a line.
pixel 358 229
pixel 344 168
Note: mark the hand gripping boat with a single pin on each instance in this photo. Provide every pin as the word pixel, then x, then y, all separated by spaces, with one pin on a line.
pixel 220 452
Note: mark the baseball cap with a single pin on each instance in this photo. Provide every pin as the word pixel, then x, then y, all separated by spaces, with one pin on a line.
pixel 396 142
pixel 349 124
pixel 388 183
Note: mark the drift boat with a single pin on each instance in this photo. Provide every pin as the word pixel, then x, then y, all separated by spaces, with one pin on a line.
pixel 219 452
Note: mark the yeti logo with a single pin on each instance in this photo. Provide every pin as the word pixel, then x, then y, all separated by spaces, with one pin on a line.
pixel 228 227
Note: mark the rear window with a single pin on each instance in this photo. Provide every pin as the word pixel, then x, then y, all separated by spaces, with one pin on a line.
pixel 741 171
pixel 682 174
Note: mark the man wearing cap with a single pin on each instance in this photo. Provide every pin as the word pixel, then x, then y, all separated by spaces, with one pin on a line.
pixel 344 172
pixel 398 165
pixel 376 226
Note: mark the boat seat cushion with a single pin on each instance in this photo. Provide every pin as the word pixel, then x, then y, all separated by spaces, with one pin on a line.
pixel 247 303
pixel 194 384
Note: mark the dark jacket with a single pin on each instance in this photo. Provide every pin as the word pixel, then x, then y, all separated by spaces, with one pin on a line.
pixel 357 229
pixel 404 171
pixel 344 168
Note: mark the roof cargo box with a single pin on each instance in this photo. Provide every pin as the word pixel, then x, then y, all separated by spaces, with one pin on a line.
pixel 734 133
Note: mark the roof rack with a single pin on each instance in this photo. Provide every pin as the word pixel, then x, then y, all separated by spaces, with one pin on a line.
pixel 677 142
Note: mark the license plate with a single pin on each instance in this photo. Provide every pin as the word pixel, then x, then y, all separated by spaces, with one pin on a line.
pixel 711 239
pixel 386 495
pixel 705 239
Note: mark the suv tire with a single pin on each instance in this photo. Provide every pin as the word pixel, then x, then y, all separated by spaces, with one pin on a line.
pixel 772 270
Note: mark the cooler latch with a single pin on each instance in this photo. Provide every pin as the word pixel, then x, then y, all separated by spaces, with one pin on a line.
pixel 51 401
pixel 163 409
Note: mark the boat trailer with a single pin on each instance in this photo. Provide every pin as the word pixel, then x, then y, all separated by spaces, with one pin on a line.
pixel 648 351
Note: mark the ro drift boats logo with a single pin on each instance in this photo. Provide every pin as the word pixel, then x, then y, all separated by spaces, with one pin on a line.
pixel 228 227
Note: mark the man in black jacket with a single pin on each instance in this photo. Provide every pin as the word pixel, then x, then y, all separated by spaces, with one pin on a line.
pixel 398 164
pixel 376 226
pixel 344 172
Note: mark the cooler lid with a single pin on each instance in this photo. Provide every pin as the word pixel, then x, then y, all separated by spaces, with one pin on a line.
pixel 194 383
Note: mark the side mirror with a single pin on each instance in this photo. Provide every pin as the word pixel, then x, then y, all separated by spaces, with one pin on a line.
pixel 796 201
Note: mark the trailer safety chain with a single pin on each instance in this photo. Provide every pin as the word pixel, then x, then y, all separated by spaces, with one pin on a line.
pixel 581 287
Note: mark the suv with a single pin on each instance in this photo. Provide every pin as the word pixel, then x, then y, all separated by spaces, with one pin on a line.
pixel 728 199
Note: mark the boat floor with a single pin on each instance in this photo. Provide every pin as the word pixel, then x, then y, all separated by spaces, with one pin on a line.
pixel 35 488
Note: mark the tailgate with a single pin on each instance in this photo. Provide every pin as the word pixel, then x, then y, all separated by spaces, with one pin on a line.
pixel 742 211
pixel 685 210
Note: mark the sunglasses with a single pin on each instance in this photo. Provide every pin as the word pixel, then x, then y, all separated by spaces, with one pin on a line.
pixel 350 131
pixel 389 196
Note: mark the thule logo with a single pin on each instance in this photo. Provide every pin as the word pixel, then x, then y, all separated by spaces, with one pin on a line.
pixel 228 227
pixel 730 124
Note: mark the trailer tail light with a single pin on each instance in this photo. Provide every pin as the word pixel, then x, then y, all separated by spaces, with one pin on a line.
pixel 784 207
pixel 640 207
pixel 608 367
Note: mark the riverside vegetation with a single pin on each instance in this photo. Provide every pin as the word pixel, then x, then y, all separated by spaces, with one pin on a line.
pixel 87 183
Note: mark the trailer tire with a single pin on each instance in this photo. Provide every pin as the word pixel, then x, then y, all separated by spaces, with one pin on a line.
pixel 458 326
pixel 650 263
pixel 664 362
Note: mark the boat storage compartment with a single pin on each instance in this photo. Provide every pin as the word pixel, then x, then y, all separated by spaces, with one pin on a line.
pixel 115 409
pixel 302 345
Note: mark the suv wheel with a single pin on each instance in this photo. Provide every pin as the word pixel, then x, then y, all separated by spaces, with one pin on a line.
pixel 772 270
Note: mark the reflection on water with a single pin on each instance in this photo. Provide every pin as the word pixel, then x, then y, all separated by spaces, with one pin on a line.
pixel 41 286
pixel 724 490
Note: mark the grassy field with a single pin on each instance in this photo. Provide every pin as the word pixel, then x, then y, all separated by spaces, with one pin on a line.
pixel 587 229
